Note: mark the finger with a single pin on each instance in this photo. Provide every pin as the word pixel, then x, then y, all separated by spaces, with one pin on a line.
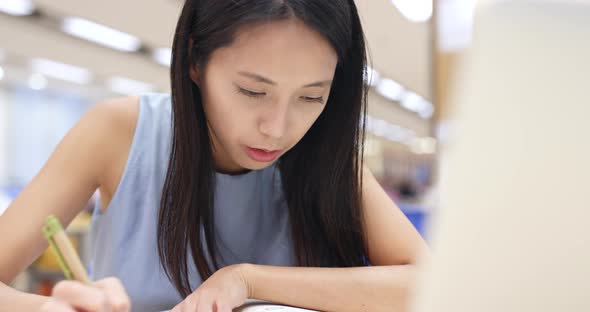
pixel 177 308
pixel 205 305
pixel 80 296
pixel 116 296
pixel 185 305
pixel 189 304
pixel 54 305
pixel 221 307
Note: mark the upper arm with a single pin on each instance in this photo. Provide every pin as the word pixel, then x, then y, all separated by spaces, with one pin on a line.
pixel 391 238
pixel 62 187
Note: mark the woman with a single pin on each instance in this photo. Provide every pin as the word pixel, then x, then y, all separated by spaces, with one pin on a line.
pixel 246 182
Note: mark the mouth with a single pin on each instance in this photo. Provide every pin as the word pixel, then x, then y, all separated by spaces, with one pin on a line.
pixel 262 155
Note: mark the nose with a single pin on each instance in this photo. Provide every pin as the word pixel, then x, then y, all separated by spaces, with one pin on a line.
pixel 273 123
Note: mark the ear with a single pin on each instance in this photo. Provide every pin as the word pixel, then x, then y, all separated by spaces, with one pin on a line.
pixel 194 71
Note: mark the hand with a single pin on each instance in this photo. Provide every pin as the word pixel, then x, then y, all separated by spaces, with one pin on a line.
pixel 106 295
pixel 224 290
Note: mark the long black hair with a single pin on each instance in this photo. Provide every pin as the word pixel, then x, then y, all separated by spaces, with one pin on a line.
pixel 321 174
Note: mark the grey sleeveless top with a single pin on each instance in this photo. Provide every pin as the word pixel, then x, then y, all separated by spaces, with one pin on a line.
pixel 251 217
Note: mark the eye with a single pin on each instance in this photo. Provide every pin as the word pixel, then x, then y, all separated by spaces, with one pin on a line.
pixel 251 93
pixel 313 99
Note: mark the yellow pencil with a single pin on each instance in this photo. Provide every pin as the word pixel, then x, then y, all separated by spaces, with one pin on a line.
pixel 67 257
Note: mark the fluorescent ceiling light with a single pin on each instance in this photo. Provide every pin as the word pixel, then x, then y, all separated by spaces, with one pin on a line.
pixel 390 89
pixel 128 86
pixel 17 7
pixel 427 111
pixel 406 135
pixel 163 56
pixel 371 76
pixel 412 101
pixel 37 81
pixel 455 24
pixel 100 34
pixel 1 73
pixel 425 145
pixel 417 104
pixel 414 10
pixel 394 91
pixel 379 127
pixel 389 131
pixel 61 71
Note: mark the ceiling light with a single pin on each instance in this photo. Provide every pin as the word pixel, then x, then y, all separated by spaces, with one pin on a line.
pixel 371 76
pixel 61 71
pixel 412 101
pixel 425 145
pixel 390 89
pixel 163 56
pixel 427 111
pixel 37 81
pixel 128 86
pixel 414 10
pixel 392 132
pixel 454 24
pixel 17 7
pixel 100 34
pixel 415 103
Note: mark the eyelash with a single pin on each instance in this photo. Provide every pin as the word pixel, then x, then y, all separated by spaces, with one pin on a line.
pixel 252 94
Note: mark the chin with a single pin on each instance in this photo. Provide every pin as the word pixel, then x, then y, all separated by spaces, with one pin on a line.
pixel 255 165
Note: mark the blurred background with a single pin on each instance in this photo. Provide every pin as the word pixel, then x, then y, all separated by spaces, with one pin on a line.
pixel 58 58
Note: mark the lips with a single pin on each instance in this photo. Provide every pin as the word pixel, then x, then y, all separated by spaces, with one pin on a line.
pixel 262 155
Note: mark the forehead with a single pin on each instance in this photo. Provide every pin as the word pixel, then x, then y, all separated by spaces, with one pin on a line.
pixel 278 48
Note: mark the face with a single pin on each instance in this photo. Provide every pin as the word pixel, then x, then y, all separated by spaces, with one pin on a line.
pixel 262 93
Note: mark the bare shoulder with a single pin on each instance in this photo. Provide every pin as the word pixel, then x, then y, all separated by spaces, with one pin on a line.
pixel 120 114
pixel 111 124
pixel 119 117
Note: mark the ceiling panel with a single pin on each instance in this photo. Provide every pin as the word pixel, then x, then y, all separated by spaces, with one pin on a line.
pixel 399 49
pixel 153 21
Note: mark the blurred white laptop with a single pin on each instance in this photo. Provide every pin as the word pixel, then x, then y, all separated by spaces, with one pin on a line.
pixel 513 231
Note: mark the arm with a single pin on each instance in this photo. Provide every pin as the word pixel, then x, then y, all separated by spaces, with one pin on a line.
pixel 378 288
pixel 394 245
pixel 62 187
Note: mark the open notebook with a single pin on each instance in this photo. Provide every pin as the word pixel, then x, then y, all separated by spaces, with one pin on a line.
pixel 262 306
pixel 252 305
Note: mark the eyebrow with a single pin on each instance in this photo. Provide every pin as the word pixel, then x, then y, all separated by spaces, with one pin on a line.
pixel 270 82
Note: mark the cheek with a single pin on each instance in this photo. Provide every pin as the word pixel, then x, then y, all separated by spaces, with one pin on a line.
pixel 233 119
pixel 221 115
